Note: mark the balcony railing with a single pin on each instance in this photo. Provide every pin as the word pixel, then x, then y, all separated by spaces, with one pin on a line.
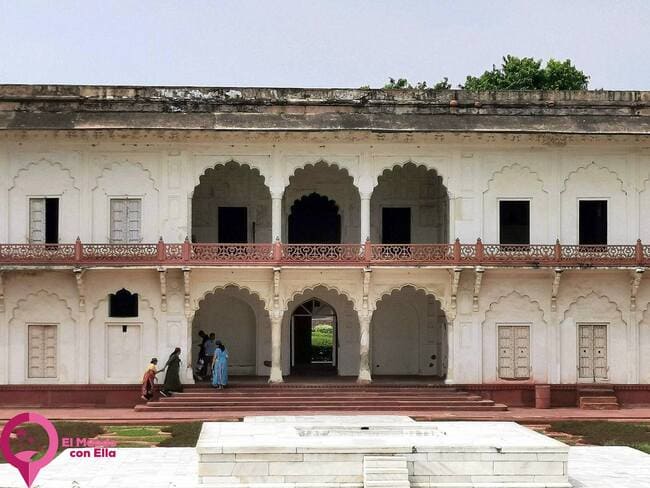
pixel 278 254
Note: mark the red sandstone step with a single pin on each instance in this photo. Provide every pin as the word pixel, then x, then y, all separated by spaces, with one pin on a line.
pixel 341 397
pixel 318 404
pixel 330 408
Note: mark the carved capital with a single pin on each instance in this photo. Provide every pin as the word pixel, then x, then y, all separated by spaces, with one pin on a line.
pixel 79 277
pixel 634 286
pixel 557 274
pixel 455 281
pixel 478 279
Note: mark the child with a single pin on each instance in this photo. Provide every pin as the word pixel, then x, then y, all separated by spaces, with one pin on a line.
pixel 149 379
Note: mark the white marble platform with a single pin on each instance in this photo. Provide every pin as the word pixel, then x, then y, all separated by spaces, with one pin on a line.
pixel 329 452
pixel 589 467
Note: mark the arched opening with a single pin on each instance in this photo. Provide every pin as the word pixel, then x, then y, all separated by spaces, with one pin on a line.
pixel 236 318
pixel 321 205
pixel 409 335
pixel 314 219
pixel 409 205
pixel 313 338
pixel 231 204
pixel 123 303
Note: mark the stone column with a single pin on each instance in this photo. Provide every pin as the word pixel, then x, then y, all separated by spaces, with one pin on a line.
pixel 451 328
pixel 365 217
pixel 364 348
pixel 276 216
pixel 276 347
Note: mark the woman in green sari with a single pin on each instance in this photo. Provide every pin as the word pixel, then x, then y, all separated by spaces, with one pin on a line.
pixel 172 376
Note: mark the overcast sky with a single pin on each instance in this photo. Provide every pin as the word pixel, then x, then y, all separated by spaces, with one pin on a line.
pixel 310 43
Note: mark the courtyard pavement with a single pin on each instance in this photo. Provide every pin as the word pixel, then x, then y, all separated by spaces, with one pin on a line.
pixel 589 467
pixel 522 415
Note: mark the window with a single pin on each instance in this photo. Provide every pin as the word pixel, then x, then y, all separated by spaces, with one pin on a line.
pixel 396 225
pixel 514 222
pixel 592 222
pixel 514 352
pixel 233 224
pixel 44 220
pixel 126 220
pixel 42 345
pixel 123 304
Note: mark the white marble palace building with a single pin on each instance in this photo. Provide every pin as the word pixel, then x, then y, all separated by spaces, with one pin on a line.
pixel 494 239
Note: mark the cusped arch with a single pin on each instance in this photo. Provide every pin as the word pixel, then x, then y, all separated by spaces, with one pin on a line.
pixel 387 169
pixel 597 300
pixel 300 169
pixel 106 171
pixel 591 166
pixel 253 294
pixel 393 290
pixel 212 166
pixel 505 301
pixel 54 164
pixel 511 168
pixel 104 301
pixel 40 295
pixel 314 288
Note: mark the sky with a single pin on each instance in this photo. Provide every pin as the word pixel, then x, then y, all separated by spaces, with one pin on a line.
pixel 315 43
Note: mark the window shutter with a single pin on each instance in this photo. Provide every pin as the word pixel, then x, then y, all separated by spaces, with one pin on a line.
pixel 522 354
pixel 506 356
pixel 37 220
pixel 118 221
pixel 133 220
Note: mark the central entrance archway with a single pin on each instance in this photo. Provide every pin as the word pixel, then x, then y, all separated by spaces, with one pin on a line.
pixel 314 219
pixel 314 338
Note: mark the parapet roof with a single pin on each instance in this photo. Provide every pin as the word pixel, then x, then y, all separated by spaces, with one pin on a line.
pixel 82 107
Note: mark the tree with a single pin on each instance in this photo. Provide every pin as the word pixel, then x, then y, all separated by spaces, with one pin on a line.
pixel 528 74
pixel 403 84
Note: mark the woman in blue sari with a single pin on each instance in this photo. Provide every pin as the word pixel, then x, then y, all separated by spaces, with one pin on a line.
pixel 220 366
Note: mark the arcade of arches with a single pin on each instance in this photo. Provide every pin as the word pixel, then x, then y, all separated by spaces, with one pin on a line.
pixel 320 333
pixel 321 204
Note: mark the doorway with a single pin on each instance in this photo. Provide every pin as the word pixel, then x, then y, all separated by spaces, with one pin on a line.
pixel 396 225
pixel 314 219
pixel 592 352
pixel 314 338
pixel 232 225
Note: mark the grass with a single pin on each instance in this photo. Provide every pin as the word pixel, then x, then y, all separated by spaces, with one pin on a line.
pixel 177 435
pixel 601 433
pixel 182 435
pixel 34 437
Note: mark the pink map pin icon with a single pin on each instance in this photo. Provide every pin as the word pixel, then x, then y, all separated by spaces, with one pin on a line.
pixel 22 461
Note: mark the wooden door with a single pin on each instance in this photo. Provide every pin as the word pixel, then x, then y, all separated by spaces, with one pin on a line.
pixel 592 352
pixel 42 346
pixel 514 351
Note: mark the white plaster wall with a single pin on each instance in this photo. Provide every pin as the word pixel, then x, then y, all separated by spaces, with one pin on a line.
pixel 408 335
pixel 41 179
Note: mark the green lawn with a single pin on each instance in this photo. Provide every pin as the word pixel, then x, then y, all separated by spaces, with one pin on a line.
pixel 177 435
pixel 601 433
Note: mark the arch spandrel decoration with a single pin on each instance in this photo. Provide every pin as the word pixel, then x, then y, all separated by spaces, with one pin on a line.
pixel 25 170
pixel 595 167
pixel 18 310
pixel 516 169
pixel 126 164
pixel 597 305
pixel 513 301
pixel 437 293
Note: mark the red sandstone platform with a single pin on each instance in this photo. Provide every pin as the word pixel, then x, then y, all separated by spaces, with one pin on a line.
pixel 521 415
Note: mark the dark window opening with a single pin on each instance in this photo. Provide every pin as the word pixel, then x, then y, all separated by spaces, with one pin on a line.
pixel 51 220
pixel 123 304
pixel 233 224
pixel 514 222
pixel 314 219
pixel 592 222
pixel 396 225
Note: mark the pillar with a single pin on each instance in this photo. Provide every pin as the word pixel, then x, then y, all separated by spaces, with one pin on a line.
pixel 365 217
pixel 276 216
pixel 276 347
pixel 364 348
pixel 451 357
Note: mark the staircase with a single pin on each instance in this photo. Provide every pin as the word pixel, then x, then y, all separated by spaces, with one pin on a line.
pixel 598 398
pixel 249 399
pixel 385 472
